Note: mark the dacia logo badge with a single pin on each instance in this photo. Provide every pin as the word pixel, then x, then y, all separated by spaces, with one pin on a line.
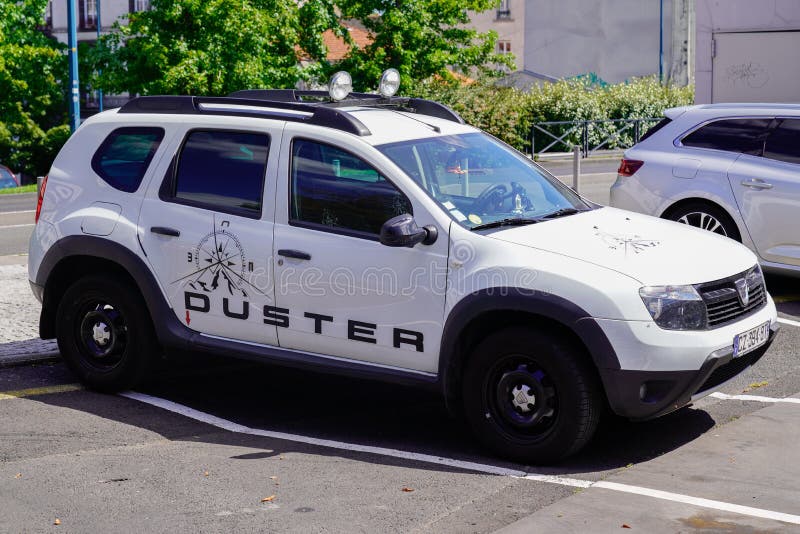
pixel 743 289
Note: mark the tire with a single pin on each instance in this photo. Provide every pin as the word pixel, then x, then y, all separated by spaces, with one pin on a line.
pixel 707 217
pixel 565 405
pixel 105 334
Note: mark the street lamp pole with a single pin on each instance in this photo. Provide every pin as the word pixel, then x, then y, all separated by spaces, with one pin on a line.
pixel 99 29
pixel 72 43
pixel 661 41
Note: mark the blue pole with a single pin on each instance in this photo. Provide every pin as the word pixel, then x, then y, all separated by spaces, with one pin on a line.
pixel 72 43
pixel 661 40
pixel 99 28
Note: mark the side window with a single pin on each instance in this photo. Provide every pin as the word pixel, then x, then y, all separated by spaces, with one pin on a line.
pixel 222 171
pixel 733 135
pixel 783 143
pixel 333 188
pixel 124 156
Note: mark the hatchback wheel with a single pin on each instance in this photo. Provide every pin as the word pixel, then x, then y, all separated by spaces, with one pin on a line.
pixel 706 217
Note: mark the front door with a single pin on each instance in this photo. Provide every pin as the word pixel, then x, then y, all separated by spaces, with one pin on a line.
pixel 767 190
pixel 339 291
pixel 207 231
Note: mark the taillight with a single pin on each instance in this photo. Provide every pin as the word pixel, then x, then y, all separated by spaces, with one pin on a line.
pixel 39 201
pixel 627 167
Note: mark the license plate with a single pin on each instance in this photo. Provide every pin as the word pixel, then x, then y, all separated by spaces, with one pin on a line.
pixel 750 339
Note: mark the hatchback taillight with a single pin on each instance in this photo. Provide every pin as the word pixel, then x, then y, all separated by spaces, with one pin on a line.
pixel 39 201
pixel 627 167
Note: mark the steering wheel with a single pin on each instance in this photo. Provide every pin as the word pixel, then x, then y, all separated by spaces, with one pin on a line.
pixel 491 197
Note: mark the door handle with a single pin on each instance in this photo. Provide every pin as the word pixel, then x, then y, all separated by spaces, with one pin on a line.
pixel 163 230
pixel 296 254
pixel 756 183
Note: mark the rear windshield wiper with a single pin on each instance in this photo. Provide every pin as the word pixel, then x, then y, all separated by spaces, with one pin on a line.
pixel 506 222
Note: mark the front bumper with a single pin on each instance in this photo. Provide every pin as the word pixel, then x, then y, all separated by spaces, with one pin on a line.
pixel 641 395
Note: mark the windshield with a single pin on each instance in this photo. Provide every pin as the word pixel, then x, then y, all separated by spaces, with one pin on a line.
pixel 479 180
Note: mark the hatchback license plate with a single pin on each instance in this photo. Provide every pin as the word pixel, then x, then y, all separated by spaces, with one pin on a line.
pixel 750 339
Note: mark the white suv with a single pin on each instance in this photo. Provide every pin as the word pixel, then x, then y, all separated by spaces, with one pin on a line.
pixel 733 169
pixel 382 237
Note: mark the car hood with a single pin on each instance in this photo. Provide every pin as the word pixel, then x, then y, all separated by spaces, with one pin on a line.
pixel 651 250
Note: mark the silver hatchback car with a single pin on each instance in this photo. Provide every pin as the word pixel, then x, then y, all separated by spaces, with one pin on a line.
pixel 733 169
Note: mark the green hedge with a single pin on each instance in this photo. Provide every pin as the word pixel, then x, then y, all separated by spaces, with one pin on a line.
pixel 509 114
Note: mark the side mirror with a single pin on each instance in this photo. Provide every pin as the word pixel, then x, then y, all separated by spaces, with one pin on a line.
pixel 402 231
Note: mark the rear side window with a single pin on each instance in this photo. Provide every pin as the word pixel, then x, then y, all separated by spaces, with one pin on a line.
pixel 783 143
pixel 656 127
pixel 745 136
pixel 124 156
pixel 223 171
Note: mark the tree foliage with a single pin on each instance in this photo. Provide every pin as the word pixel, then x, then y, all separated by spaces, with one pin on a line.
pixel 214 47
pixel 204 47
pixel 33 85
pixel 419 39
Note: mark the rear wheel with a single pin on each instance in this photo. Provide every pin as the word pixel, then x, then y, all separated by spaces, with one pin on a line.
pixel 104 333
pixel 706 217
pixel 529 396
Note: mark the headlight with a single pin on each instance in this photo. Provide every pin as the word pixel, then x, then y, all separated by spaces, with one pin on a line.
pixel 675 307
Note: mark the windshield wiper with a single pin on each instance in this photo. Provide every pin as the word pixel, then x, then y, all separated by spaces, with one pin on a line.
pixel 563 212
pixel 506 222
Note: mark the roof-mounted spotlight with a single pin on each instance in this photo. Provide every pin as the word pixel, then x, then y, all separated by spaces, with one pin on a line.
pixel 390 83
pixel 340 86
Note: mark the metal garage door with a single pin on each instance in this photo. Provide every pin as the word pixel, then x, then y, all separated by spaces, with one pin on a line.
pixel 756 67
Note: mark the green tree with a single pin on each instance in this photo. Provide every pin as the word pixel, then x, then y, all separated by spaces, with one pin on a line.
pixel 205 47
pixel 419 39
pixel 33 85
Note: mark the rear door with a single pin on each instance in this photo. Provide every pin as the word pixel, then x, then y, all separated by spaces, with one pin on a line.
pixel 206 228
pixel 767 191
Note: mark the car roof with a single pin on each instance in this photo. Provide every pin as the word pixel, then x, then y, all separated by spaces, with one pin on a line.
pixel 735 109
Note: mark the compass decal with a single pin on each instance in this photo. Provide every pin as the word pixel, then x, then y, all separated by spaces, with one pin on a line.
pixel 220 263
pixel 633 243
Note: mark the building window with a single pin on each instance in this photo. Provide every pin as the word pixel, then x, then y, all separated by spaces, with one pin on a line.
pixel 504 10
pixel 503 47
pixel 135 6
pixel 87 14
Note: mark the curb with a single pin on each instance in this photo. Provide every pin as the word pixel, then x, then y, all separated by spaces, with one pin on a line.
pixel 28 352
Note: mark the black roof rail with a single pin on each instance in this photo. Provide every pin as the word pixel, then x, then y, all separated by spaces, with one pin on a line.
pixel 193 105
pixel 414 105
pixel 279 103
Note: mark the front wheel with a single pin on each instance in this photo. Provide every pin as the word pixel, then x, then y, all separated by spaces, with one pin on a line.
pixel 530 396
pixel 104 333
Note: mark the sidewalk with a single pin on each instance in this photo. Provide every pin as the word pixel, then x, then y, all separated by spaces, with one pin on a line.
pixel 19 317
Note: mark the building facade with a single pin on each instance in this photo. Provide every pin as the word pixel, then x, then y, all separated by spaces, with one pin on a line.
pixel 747 51
pixel 611 39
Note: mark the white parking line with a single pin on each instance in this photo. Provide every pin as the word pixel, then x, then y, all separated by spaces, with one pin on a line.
pixel 17 225
pixel 755 398
pixel 16 212
pixel 461 464
pixel 788 321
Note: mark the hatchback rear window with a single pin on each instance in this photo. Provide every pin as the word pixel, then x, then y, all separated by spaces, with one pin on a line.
pixel 124 156
pixel 660 124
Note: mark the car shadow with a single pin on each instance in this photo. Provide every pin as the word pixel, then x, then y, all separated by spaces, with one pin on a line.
pixel 355 412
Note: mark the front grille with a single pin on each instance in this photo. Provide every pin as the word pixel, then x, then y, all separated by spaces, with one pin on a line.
pixel 723 302
pixel 725 372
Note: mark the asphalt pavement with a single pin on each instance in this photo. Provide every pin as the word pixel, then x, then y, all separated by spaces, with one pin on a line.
pixel 216 445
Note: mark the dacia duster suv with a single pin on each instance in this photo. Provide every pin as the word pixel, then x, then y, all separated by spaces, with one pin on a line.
pixel 382 237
